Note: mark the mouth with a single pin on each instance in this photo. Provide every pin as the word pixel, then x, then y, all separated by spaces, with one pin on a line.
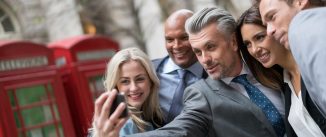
pixel 264 58
pixel 135 96
pixel 211 69
pixel 179 54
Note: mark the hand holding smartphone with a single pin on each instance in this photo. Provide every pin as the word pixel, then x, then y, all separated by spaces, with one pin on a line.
pixel 119 99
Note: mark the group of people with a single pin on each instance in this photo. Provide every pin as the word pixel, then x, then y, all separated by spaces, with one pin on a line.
pixel 259 76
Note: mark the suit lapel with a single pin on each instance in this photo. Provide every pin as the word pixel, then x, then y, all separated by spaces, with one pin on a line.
pixel 219 87
pixel 303 93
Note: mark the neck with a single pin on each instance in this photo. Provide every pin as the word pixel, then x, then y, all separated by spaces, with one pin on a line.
pixel 289 64
pixel 237 68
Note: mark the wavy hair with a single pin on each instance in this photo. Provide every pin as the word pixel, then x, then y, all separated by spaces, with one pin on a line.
pixel 150 110
pixel 269 77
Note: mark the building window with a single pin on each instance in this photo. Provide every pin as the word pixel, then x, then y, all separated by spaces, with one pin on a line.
pixel 9 28
pixel 6 23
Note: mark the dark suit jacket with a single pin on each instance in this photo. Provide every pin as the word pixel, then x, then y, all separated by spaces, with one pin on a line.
pixel 214 109
pixel 310 106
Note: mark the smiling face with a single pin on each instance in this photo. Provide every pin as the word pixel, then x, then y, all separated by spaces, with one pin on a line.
pixel 177 44
pixel 277 15
pixel 216 53
pixel 134 82
pixel 262 47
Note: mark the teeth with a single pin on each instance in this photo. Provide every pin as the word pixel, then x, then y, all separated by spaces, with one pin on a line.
pixel 180 53
pixel 264 56
pixel 135 95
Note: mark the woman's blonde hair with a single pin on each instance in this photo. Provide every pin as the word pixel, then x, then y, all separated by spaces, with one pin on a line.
pixel 150 110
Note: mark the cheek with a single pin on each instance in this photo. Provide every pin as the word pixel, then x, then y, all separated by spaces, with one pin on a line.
pixel 250 50
pixel 146 87
pixel 123 89
pixel 168 46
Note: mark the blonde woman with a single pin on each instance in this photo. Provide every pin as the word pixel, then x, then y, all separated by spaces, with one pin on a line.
pixel 129 71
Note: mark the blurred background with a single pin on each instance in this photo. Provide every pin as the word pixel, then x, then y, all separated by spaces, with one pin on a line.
pixel 132 23
pixel 53 56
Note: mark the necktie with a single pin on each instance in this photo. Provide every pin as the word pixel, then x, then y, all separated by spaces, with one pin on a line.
pixel 264 103
pixel 177 104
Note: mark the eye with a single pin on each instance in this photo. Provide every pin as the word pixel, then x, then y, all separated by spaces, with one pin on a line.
pixel 124 81
pixel 197 52
pixel 270 17
pixel 140 79
pixel 247 44
pixel 169 40
pixel 185 37
pixel 260 37
pixel 210 47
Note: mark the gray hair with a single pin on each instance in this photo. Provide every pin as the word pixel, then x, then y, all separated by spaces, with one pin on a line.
pixel 223 20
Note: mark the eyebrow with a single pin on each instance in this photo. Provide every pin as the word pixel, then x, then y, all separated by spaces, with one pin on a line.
pixel 259 34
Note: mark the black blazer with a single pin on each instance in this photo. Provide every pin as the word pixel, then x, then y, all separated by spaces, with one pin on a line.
pixel 310 106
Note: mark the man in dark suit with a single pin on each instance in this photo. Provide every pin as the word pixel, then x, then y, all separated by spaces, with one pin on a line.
pixel 180 58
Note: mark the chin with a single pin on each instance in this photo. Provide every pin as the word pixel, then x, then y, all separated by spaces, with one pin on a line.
pixel 267 65
pixel 215 77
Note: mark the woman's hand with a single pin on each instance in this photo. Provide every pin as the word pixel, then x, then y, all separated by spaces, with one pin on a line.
pixel 107 125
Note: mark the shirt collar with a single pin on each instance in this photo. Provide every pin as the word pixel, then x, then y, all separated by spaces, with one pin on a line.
pixel 244 70
pixel 286 76
pixel 195 68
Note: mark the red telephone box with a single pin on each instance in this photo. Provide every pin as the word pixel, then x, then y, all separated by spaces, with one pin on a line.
pixel 33 102
pixel 83 60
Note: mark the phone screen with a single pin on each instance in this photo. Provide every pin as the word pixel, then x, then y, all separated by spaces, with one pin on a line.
pixel 118 99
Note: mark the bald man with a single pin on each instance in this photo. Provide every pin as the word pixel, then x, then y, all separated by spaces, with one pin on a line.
pixel 180 58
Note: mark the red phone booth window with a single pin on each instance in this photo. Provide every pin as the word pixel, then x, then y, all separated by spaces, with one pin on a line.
pixel 33 103
pixel 83 61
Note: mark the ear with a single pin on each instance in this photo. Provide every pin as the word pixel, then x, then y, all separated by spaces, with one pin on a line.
pixel 302 4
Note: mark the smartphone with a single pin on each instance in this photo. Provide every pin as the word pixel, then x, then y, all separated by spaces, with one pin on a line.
pixel 118 99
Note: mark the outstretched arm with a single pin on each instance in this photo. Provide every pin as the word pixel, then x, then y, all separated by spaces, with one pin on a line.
pixel 104 124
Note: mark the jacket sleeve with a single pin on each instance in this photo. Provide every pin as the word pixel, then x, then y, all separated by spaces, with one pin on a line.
pixel 307 42
pixel 194 121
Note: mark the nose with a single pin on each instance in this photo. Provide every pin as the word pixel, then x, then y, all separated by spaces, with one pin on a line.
pixel 206 58
pixel 256 49
pixel 133 86
pixel 270 29
pixel 177 43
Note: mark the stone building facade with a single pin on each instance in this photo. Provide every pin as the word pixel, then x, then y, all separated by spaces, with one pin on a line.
pixel 133 23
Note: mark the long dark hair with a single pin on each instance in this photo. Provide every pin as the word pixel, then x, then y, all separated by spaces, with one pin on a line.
pixel 269 77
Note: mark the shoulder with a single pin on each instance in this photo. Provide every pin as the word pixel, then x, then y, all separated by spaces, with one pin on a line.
pixel 157 62
pixel 128 128
pixel 200 87
pixel 307 17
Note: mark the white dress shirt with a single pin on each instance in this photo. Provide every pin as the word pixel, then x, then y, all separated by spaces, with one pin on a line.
pixel 299 118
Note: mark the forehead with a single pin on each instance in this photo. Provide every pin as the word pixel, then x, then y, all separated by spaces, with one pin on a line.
pixel 208 34
pixel 174 29
pixel 249 30
pixel 266 6
pixel 131 65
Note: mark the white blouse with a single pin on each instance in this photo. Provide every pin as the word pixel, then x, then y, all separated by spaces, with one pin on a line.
pixel 299 118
